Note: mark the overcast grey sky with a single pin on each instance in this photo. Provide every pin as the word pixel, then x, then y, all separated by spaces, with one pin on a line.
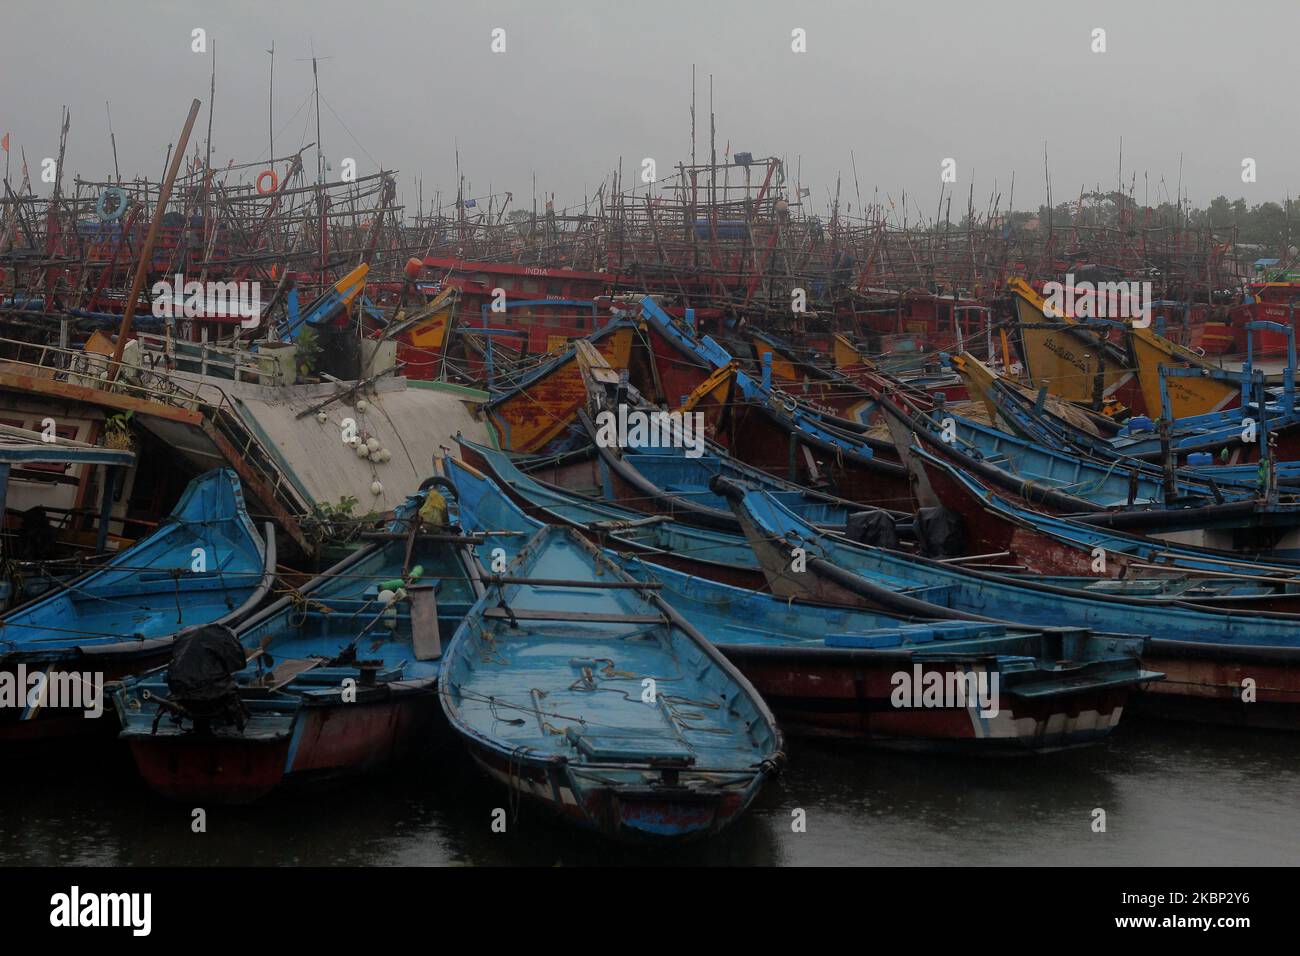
pixel 900 85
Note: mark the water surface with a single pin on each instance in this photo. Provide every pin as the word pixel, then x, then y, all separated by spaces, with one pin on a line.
pixel 1173 794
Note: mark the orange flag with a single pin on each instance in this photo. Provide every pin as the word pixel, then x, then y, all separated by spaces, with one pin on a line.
pixel 5 142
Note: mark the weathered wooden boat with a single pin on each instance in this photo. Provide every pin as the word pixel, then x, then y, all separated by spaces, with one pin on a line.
pixel 1044 544
pixel 206 564
pixel 1177 383
pixel 1075 363
pixel 1222 665
pixel 713 554
pixel 1067 482
pixel 1250 520
pixel 668 481
pixel 919 386
pixel 1271 299
pixel 719 556
pixel 335 679
pixel 986 385
pixel 537 414
pixel 458 333
pixel 1224 434
pixel 1101 494
pixel 1042 419
pixel 769 429
pixel 837 672
pixel 579 688
pixel 811 379
pixel 36 554
pixel 1183 396
pixel 1149 373
pixel 664 463
pixel 774 433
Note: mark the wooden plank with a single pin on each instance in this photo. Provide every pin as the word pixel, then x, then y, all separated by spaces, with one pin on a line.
pixel 95 396
pixel 538 614
pixel 425 638
pixel 284 672
pixel 565 583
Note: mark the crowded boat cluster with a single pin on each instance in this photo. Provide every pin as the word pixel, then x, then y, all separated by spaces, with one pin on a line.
pixel 629 499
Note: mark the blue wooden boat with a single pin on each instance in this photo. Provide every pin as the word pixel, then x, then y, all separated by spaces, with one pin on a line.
pixel 714 554
pixel 1070 480
pixel 335 679
pixel 670 482
pixel 1138 443
pixel 773 431
pixel 718 556
pixel 1222 665
pixel 205 564
pixel 1107 495
pixel 835 672
pixel 577 687
pixel 1047 544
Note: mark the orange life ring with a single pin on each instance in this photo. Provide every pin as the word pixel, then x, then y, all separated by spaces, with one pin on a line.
pixel 275 181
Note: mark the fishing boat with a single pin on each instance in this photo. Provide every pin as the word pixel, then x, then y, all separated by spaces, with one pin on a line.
pixel 462 331
pixel 836 672
pixel 716 555
pixel 1065 481
pixel 206 564
pixel 578 687
pixel 1076 363
pixel 775 433
pixel 811 379
pixel 335 679
pixel 719 556
pixel 37 554
pixel 769 429
pixel 673 461
pixel 1222 666
pixel 1226 435
pixel 1052 548
pixel 1184 396
pixel 537 414
pixel 667 472
pixel 1108 495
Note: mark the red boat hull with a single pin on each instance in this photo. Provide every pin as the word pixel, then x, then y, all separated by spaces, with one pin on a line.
pixel 641 815
pixel 848 696
pixel 326 743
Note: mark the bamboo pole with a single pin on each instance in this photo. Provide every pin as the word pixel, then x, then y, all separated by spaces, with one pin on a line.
pixel 146 252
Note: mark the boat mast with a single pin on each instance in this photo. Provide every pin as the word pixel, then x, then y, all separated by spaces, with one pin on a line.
pixel 270 108
pixel 146 251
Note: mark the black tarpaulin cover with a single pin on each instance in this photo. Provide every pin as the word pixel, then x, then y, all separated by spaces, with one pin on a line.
pixel 203 663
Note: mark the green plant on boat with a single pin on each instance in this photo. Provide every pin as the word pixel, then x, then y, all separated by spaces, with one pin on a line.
pixel 117 431
pixel 308 352
pixel 338 523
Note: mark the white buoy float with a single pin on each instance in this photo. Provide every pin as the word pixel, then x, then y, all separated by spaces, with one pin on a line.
pixel 376 488
pixel 390 614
